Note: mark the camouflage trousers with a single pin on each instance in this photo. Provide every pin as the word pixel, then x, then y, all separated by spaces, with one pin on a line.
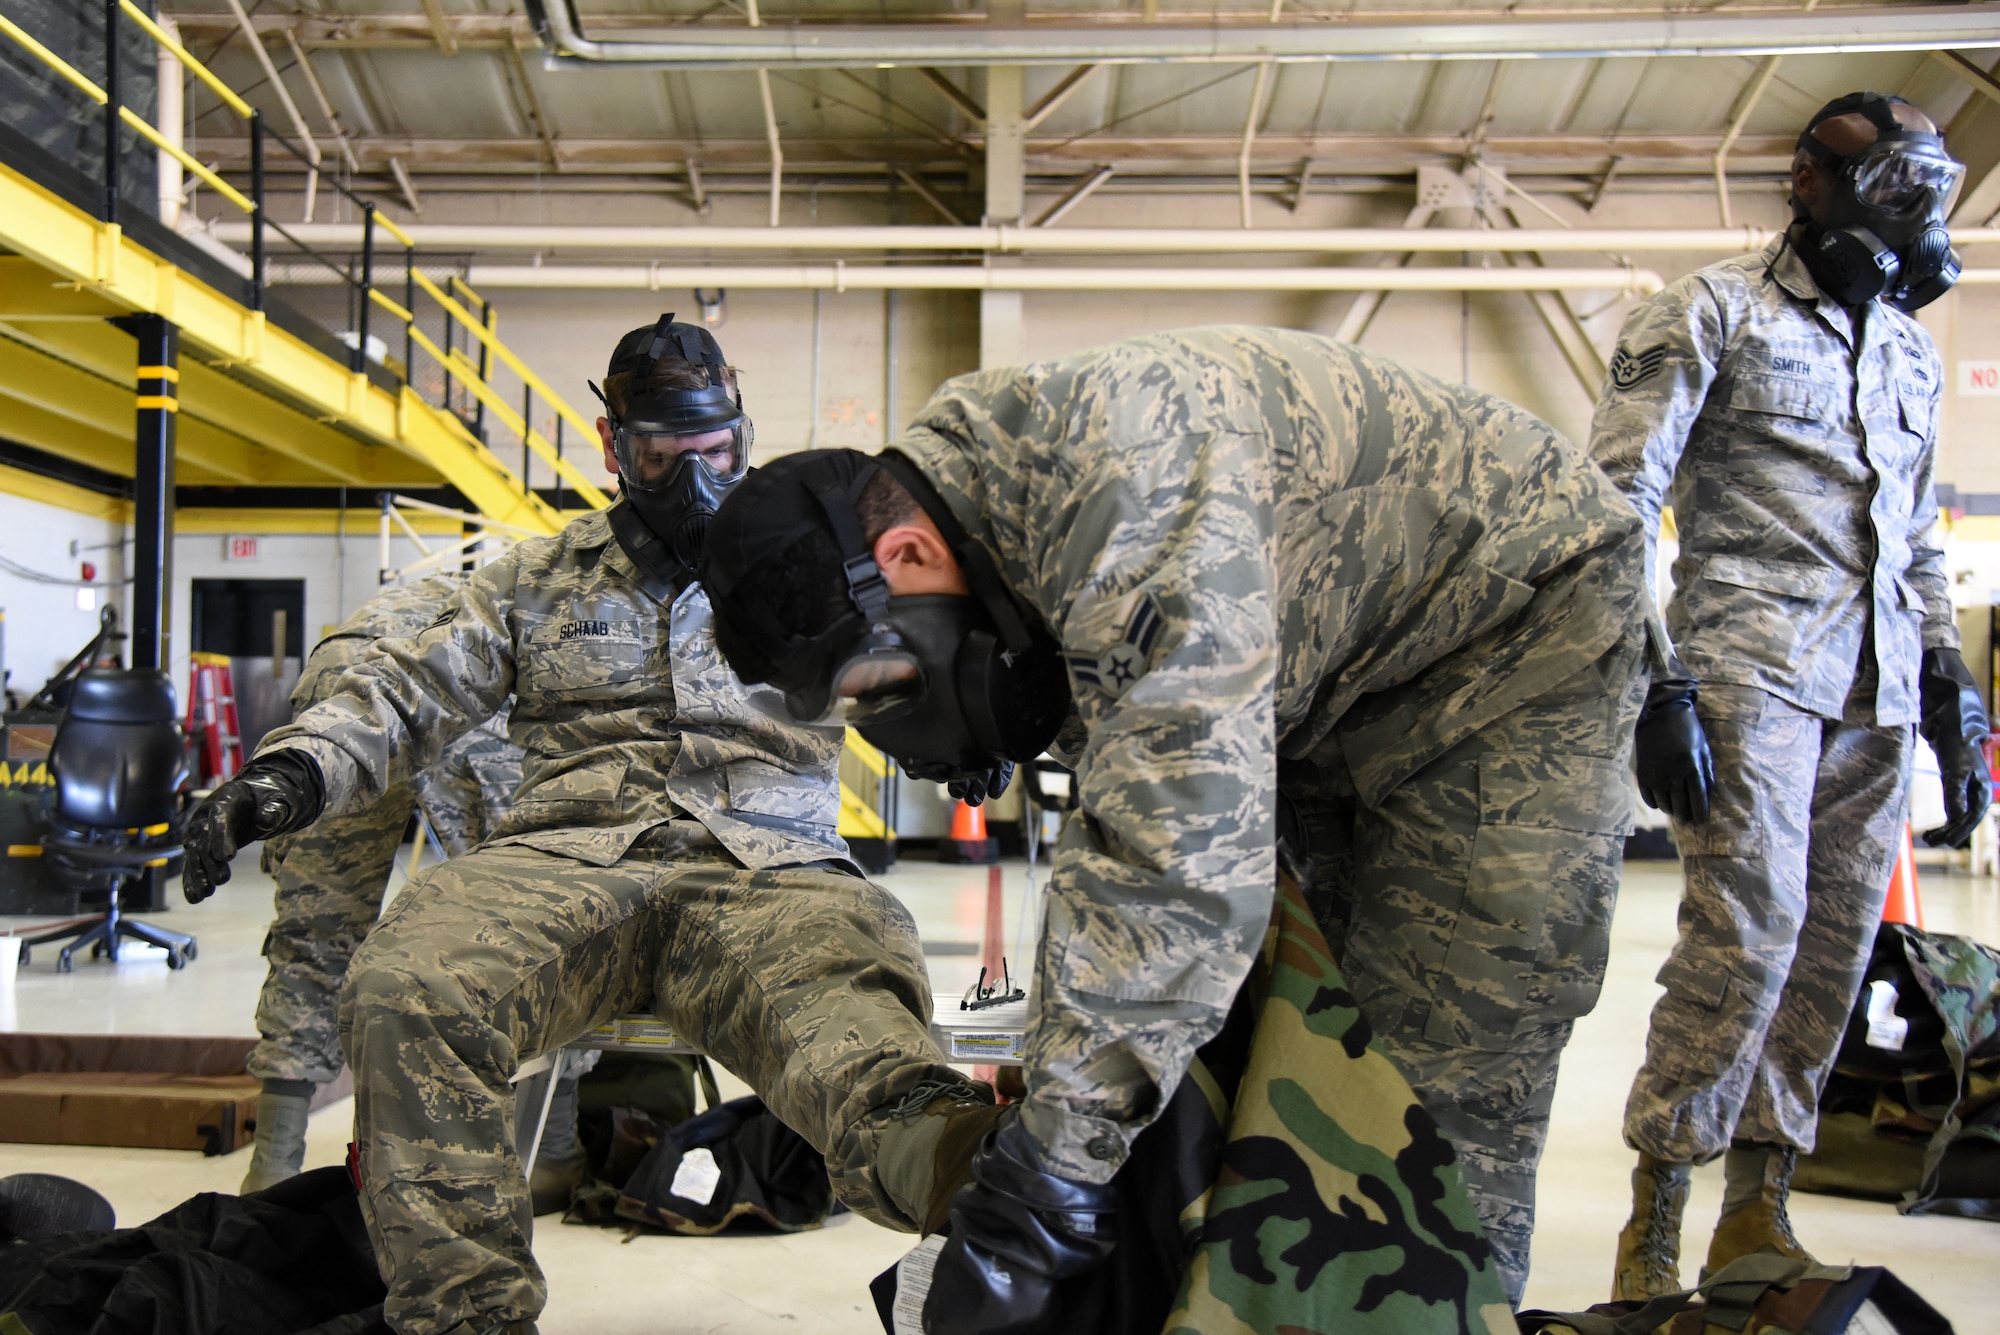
pixel 807 983
pixel 330 882
pixel 1785 883
pixel 1471 914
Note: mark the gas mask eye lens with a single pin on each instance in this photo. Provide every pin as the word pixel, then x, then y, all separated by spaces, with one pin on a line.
pixel 646 458
pixel 875 687
pixel 1895 179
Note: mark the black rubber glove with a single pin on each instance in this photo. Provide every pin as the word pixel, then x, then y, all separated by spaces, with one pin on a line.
pixel 1954 723
pixel 1016 1232
pixel 975 789
pixel 272 795
pixel 972 789
pixel 1675 768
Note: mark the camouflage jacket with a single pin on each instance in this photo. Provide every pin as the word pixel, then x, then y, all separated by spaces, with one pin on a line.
pixel 1250 542
pixel 397 611
pixel 470 789
pixel 1795 440
pixel 626 712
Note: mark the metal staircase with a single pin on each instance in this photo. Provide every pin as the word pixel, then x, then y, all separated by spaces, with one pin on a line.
pixel 265 395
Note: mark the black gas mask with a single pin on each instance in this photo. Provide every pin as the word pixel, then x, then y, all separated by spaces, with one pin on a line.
pixel 1883 232
pixel 955 687
pixel 664 521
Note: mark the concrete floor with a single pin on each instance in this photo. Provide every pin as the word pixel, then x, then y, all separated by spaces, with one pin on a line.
pixel 600 1283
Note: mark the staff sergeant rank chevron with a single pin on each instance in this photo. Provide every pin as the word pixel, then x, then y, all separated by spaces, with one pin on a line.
pixel 1628 371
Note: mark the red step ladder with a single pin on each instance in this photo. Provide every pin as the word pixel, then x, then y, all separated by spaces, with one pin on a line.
pixel 211 719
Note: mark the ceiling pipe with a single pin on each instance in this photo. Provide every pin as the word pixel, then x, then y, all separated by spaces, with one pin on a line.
pixel 842 277
pixel 483 237
pixel 1516 37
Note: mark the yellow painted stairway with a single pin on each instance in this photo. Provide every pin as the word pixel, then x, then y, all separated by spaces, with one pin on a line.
pixel 258 405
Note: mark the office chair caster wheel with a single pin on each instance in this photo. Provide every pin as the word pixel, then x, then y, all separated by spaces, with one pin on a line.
pixel 27 955
pixel 189 950
pixel 175 959
pixel 64 964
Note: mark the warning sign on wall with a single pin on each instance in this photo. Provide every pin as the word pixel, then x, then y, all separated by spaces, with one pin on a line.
pixel 1979 380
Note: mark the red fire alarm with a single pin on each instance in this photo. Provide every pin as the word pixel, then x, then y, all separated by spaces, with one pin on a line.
pixel 89 572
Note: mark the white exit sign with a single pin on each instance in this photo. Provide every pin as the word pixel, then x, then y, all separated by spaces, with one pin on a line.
pixel 240 547
pixel 1979 380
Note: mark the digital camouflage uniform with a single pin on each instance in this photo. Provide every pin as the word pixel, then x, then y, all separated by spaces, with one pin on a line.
pixel 332 876
pixel 672 846
pixel 1795 440
pixel 1275 561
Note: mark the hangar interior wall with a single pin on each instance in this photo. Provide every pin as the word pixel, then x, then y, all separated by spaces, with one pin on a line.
pixel 880 355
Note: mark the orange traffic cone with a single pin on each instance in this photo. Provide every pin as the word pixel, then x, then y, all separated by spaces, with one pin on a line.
pixel 968 842
pixel 1903 904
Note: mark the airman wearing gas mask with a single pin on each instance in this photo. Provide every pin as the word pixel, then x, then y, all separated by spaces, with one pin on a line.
pixel 672 846
pixel 1785 404
pixel 1258 587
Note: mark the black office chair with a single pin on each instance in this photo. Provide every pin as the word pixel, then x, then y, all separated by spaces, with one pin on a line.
pixel 118 762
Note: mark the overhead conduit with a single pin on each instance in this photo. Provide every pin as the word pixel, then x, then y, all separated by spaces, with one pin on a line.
pixel 484 237
pixel 842 277
pixel 1252 39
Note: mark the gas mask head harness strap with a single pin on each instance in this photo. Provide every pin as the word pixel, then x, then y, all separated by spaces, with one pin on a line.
pixel 1881 232
pixel 949 684
pixel 663 521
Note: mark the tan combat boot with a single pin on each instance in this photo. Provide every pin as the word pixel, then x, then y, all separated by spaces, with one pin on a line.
pixel 1649 1249
pixel 279 1151
pixel 1756 1185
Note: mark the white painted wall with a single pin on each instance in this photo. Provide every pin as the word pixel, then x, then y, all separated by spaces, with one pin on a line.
pixel 568 337
pixel 1495 339
pixel 44 626
pixel 339 573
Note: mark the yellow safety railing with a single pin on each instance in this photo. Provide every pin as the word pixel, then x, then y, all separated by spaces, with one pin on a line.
pixel 180 53
pixel 454 364
pixel 71 75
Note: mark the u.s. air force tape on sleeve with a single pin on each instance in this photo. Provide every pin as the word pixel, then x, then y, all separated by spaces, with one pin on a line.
pixel 986 1046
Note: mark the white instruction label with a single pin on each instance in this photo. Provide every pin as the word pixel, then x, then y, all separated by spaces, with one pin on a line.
pixel 696 1178
pixel 913 1285
pixel 986 1046
pixel 1886 1029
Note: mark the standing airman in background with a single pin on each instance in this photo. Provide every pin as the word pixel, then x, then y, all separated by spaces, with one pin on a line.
pixel 1786 403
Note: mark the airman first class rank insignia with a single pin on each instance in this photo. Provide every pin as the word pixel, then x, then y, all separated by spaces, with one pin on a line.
pixel 1124 662
pixel 1628 371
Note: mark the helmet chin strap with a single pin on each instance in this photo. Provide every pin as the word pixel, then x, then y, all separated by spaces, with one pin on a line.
pixel 662 575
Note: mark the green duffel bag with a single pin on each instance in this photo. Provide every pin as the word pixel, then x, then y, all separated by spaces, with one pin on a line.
pixel 1911 1112
pixel 1765 1294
